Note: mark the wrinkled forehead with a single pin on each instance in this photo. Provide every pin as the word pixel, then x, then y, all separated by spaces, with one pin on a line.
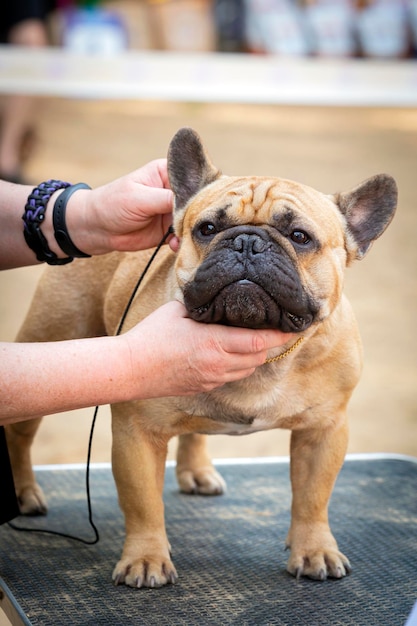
pixel 257 200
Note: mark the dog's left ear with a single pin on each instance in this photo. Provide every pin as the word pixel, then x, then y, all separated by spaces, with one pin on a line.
pixel 368 209
pixel 189 166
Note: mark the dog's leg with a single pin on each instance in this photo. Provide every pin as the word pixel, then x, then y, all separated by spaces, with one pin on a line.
pixel 29 494
pixel 316 458
pixel 195 471
pixel 138 468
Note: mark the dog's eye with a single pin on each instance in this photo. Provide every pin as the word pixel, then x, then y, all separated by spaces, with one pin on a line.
pixel 207 229
pixel 300 237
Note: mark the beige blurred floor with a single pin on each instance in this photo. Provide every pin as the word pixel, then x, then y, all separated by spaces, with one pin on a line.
pixel 331 149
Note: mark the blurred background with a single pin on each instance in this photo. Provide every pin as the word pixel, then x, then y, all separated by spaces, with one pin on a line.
pixel 95 139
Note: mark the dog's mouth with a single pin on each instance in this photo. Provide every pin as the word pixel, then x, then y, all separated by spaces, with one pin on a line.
pixel 246 304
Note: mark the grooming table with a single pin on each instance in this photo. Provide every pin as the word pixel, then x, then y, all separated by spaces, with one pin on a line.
pixel 228 550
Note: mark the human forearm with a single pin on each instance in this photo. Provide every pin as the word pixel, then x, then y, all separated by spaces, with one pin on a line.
pixel 14 251
pixel 166 354
pixel 61 376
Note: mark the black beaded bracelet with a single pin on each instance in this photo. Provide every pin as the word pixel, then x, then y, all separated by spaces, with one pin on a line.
pixel 33 217
pixel 60 228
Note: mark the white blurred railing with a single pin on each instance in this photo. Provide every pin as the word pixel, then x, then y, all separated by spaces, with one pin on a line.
pixel 209 77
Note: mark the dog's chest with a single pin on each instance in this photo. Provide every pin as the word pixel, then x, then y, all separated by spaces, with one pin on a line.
pixel 235 414
pixel 235 429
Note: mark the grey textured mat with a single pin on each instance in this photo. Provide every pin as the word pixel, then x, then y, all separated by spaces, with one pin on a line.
pixel 228 550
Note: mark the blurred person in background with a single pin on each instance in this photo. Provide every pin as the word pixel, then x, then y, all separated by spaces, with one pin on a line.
pixel 22 23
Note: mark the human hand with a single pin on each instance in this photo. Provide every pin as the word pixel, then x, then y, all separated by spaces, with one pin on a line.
pixel 130 213
pixel 174 355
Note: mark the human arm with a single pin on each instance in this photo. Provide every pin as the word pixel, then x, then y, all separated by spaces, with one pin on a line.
pixel 130 213
pixel 182 358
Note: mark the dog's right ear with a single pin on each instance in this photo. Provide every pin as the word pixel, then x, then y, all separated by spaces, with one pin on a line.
pixel 189 166
pixel 368 209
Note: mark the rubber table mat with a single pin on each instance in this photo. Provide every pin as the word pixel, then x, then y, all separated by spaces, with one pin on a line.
pixel 228 550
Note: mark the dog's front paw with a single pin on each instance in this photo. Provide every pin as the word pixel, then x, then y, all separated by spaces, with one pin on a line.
pixel 201 480
pixel 314 553
pixel 31 500
pixel 145 567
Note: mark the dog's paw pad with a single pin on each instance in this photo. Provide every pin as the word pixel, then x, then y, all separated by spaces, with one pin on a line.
pixel 205 481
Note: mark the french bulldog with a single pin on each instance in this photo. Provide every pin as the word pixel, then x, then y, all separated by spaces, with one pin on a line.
pixel 258 252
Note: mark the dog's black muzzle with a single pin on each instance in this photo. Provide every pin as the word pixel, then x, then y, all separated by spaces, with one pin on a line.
pixel 248 279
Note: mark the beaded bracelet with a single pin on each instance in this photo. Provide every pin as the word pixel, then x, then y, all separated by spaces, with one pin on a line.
pixel 33 217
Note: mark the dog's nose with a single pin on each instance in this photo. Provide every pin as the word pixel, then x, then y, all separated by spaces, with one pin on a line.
pixel 249 243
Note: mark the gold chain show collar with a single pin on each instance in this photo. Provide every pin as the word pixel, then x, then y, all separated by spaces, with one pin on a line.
pixel 286 353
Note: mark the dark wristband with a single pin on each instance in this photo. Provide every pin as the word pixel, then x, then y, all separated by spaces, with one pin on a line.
pixel 60 228
pixel 33 218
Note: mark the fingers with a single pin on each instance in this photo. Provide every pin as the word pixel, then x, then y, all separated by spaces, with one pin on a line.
pixel 155 201
pixel 245 341
pixel 233 340
pixel 199 357
pixel 154 173
pixel 174 243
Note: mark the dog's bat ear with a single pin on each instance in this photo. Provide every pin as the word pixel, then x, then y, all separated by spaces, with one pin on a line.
pixel 368 209
pixel 189 166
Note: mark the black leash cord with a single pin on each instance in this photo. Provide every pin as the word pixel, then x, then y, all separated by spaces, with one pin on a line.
pixel 169 232
pixel 90 512
pixel 93 423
